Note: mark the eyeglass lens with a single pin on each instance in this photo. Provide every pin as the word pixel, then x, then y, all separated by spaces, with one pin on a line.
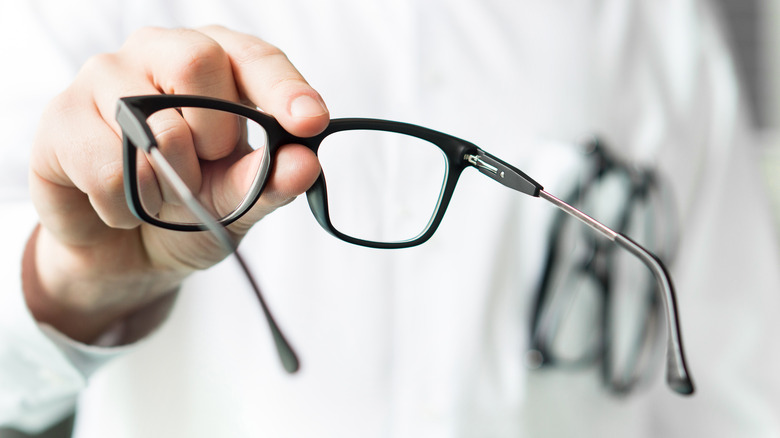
pixel 223 162
pixel 382 186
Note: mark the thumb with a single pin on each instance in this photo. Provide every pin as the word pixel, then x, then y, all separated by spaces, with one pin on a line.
pixel 295 169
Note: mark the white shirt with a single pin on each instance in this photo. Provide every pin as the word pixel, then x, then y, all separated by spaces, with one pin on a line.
pixel 426 341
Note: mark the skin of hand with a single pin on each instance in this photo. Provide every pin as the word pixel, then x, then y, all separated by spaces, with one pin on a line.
pixel 91 262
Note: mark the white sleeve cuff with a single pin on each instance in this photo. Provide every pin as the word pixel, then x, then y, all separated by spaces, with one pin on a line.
pixel 41 370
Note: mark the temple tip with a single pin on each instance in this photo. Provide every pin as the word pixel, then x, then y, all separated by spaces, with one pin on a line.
pixel 289 361
pixel 680 384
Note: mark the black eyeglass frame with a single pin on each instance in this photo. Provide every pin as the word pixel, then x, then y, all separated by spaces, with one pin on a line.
pixel 132 113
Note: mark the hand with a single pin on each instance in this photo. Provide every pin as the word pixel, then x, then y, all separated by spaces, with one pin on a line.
pixel 91 261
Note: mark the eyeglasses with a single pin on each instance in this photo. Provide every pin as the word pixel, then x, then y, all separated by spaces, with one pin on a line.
pixel 415 169
pixel 596 304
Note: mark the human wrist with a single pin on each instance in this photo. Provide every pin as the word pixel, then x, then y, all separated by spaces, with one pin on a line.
pixel 81 291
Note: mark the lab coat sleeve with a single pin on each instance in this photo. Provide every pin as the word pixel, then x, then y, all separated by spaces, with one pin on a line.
pixel 41 370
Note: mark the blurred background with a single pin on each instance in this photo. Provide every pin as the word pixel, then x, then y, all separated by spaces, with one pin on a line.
pixel 754 32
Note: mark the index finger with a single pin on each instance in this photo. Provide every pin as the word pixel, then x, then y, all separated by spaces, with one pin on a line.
pixel 266 77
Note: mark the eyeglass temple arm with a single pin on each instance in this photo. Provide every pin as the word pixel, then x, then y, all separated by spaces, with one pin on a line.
pixel 677 375
pixel 285 351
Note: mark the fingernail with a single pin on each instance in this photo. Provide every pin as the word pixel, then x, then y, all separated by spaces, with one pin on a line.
pixel 306 106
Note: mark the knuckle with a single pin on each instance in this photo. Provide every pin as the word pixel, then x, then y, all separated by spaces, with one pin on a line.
pixel 199 60
pixel 110 218
pixel 213 28
pixel 190 57
pixel 253 51
pixel 111 177
pixel 108 198
pixel 287 83
pixel 102 65
pixel 114 220
pixel 60 105
pixel 61 114
pixel 99 64
pixel 107 185
pixel 145 33
pixel 171 135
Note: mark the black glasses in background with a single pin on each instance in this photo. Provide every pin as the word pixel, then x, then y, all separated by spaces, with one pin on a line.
pixel 243 143
pixel 596 304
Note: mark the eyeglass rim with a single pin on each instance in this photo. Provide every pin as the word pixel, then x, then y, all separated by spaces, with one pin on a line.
pixel 133 111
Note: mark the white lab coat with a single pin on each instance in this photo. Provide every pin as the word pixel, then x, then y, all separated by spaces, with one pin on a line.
pixel 426 341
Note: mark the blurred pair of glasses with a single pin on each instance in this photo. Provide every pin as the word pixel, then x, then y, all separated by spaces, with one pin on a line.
pixel 417 169
pixel 597 305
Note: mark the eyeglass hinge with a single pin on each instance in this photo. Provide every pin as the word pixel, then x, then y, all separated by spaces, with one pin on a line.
pixel 477 161
pixel 503 173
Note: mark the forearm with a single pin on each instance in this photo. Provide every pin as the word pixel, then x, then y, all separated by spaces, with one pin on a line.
pixel 81 291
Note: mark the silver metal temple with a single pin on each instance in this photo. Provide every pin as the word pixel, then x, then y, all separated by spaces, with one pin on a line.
pixel 677 375
pixel 186 196
pixel 593 223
